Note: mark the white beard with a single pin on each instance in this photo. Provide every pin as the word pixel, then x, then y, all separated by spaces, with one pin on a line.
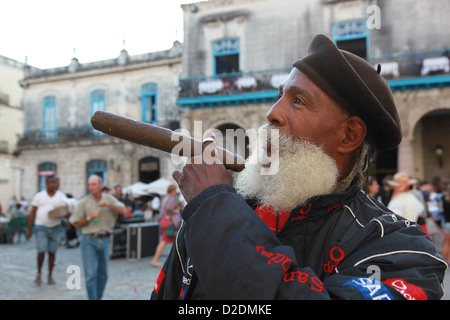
pixel 304 171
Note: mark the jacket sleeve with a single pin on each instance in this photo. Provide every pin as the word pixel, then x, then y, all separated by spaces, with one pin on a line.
pixel 236 256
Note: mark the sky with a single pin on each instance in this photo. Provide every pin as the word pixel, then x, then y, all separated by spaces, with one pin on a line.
pixel 49 33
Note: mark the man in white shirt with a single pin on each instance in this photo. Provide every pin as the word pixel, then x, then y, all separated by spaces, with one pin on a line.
pixel 403 201
pixel 47 230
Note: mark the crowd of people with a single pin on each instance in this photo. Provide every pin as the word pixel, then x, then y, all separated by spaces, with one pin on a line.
pixel 56 219
pixel 422 202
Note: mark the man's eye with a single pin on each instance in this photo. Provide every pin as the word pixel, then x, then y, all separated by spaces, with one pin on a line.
pixel 298 101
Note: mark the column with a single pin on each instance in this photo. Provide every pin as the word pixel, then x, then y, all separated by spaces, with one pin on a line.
pixel 405 161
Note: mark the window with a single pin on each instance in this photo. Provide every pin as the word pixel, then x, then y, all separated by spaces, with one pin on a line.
pixel 45 169
pixel 97 101
pixel 352 36
pixel 149 93
pixel 225 56
pixel 49 117
pixel 97 167
pixel 97 104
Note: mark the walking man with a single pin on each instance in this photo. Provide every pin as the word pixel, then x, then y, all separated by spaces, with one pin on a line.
pixel 96 215
pixel 47 230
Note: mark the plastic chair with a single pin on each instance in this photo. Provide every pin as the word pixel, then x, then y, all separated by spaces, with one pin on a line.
pixel 16 225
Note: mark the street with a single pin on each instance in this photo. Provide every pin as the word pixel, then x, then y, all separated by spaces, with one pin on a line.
pixel 127 280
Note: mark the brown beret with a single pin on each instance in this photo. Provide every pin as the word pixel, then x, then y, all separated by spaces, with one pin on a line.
pixel 357 87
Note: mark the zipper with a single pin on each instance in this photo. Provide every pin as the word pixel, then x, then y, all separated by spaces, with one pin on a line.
pixel 276 224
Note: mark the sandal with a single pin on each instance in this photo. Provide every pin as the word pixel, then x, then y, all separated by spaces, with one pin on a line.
pixel 38 280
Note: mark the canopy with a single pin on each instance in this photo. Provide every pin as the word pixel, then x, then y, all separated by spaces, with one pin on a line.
pixel 159 186
pixel 137 189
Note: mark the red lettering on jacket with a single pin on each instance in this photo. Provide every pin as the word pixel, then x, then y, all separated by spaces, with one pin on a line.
pixel 299 276
pixel 304 212
pixel 336 256
pixel 408 290
pixel 305 208
pixel 334 206
pixel 318 283
pixel 275 258
pixel 302 277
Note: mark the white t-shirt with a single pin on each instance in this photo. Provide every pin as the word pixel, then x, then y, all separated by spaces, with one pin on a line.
pixel 405 204
pixel 44 204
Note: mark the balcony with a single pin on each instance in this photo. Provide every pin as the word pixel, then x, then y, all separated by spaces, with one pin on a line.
pixel 61 135
pixel 408 71
pixel 415 70
pixel 231 89
pixel 66 135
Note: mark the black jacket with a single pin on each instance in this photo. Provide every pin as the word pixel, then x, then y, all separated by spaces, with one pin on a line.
pixel 341 246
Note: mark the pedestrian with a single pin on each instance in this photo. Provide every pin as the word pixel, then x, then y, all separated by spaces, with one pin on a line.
pixel 96 215
pixel 118 193
pixel 386 189
pixel 333 110
pixel 446 210
pixel 169 222
pixel 72 240
pixel 403 202
pixel 48 231
pixel 373 188
pixel 18 211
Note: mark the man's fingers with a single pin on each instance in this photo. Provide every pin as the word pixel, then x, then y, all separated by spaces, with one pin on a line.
pixel 177 175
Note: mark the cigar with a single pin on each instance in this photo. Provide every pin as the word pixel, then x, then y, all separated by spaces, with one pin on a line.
pixel 159 138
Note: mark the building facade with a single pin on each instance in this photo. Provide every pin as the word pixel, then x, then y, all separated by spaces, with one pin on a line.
pixel 59 103
pixel 11 124
pixel 236 53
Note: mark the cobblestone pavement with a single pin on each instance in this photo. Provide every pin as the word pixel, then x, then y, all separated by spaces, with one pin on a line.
pixel 128 280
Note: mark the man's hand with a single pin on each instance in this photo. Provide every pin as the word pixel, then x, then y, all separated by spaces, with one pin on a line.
pixel 202 171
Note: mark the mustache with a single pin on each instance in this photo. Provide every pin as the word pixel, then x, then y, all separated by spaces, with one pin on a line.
pixel 266 129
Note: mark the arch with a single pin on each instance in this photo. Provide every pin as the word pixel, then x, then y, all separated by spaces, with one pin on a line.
pixel 234 138
pixel 419 115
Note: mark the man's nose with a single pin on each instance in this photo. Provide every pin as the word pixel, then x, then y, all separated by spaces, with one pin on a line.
pixel 276 115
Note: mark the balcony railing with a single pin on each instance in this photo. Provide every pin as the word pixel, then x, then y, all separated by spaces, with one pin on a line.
pixel 59 135
pixel 413 64
pixel 232 83
pixel 235 88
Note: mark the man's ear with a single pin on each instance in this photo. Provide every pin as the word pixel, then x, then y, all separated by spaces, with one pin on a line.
pixel 355 131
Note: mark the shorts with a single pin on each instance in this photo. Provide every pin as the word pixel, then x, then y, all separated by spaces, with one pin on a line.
pixel 447 227
pixel 47 239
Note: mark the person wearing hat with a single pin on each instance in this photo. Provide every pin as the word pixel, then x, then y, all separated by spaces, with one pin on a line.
pixel 403 202
pixel 305 230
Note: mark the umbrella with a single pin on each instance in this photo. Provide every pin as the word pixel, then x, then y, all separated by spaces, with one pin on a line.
pixel 159 186
pixel 137 189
